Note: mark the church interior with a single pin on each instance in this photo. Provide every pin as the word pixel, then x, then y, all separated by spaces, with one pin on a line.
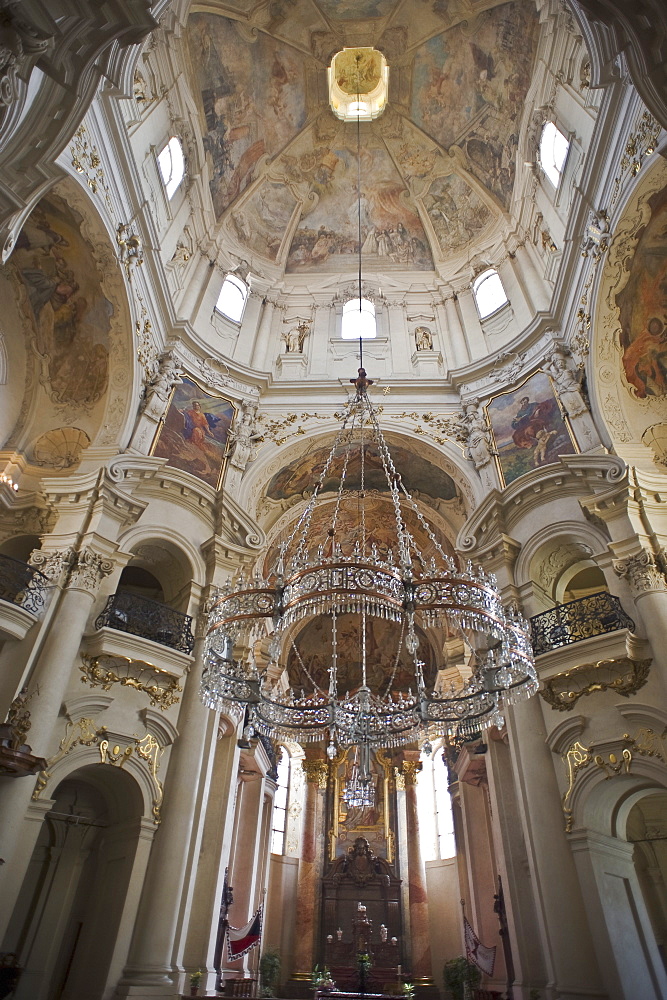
pixel 333 499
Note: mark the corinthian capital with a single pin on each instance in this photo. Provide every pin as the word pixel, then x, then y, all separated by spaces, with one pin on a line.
pixel 52 564
pixel 89 570
pixel 642 572
pixel 316 772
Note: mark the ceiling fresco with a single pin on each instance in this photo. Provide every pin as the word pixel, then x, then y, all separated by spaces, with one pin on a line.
pixel 283 169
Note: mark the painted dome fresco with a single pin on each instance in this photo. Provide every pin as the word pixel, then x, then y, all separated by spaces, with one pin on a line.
pixel 438 165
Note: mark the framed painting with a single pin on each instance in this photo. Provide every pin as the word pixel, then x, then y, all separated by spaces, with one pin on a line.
pixel 529 427
pixel 194 433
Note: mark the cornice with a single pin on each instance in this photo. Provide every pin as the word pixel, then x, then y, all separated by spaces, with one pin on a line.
pixel 500 512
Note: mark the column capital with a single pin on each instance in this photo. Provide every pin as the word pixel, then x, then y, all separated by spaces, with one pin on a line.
pixel 410 769
pixel 52 564
pixel 316 772
pixel 642 572
pixel 88 571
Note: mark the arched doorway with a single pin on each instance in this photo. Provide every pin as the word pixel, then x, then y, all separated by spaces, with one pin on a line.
pixel 65 924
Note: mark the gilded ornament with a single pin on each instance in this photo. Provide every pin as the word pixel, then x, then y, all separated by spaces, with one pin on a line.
pixel 316 772
pixel 103 671
pixel 622 676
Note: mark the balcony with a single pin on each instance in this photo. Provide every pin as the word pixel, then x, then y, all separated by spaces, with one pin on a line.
pixel 22 594
pixel 141 616
pixel 584 618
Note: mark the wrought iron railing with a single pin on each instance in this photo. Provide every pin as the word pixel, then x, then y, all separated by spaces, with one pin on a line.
pixel 150 619
pixel 596 614
pixel 22 584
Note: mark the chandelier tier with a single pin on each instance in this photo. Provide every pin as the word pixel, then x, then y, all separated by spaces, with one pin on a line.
pixel 345 576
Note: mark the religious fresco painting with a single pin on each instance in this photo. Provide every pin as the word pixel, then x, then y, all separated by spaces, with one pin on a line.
pixel 487 59
pixel 643 307
pixel 457 213
pixel 193 436
pixel 262 220
pixel 418 475
pixel 69 313
pixel 392 235
pixel 253 101
pixel 528 427
pixel 382 641
pixel 356 10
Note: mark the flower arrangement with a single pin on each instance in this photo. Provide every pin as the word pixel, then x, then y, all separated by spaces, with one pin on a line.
pixel 321 979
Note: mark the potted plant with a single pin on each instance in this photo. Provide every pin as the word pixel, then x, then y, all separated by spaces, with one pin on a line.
pixel 363 967
pixel 458 974
pixel 269 972
pixel 409 991
pixel 195 980
pixel 321 980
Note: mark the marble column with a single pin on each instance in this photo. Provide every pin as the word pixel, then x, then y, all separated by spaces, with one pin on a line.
pixel 566 944
pixel 307 893
pixel 420 944
pixel 147 973
pixel 46 689
pixel 245 868
pixel 648 587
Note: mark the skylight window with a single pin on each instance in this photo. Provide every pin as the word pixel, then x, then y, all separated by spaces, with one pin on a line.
pixel 172 165
pixel 553 152
pixel 358 320
pixel 232 299
pixel 358 84
pixel 489 293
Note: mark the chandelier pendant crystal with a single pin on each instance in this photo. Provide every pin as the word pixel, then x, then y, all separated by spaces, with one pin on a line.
pixel 332 578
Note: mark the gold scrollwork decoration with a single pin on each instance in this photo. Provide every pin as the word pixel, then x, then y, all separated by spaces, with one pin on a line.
pixel 103 671
pixel 399 778
pixel 622 676
pixel 646 743
pixel 84 732
pixel 577 756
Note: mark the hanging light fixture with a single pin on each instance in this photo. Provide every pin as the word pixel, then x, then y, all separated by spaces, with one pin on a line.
pixel 344 580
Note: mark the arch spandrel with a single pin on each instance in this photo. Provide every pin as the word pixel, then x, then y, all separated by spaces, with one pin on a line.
pixel 66 288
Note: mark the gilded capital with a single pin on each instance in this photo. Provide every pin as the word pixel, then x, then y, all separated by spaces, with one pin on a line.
pixel 316 772
pixel 410 769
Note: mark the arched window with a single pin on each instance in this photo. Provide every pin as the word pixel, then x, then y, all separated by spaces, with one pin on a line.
pixel 489 293
pixel 358 320
pixel 553 152
pixel 279 819
pixel 232 298
pixel 172 165
pixel 436 822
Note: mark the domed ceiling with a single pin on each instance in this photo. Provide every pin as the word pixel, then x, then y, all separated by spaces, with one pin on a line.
pixel 438 166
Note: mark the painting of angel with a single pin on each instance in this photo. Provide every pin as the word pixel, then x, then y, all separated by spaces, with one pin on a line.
pixel 528 427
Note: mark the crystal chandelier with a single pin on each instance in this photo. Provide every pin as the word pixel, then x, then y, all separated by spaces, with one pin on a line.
pixel 335 577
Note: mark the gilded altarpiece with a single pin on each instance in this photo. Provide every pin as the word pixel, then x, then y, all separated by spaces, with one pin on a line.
pixel 361 889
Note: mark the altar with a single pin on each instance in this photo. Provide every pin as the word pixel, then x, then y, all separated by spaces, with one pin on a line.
pixel 362 914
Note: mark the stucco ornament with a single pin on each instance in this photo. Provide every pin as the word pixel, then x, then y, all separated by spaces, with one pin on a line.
pixel 642 573
pixel 244 436
pixel 478 445
pixel 567 382
pixel 159 388
pixel 89 570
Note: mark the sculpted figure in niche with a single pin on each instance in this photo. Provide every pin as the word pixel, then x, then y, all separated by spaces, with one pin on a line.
pixel 294 338
pixel 243 436
pixel 158 389
pixel 423 338
pixel 478 446
pixel 566 381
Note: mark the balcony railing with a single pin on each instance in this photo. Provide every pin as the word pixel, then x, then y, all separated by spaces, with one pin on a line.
pixel 576 620
pixel 149 619
pixel 22 584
